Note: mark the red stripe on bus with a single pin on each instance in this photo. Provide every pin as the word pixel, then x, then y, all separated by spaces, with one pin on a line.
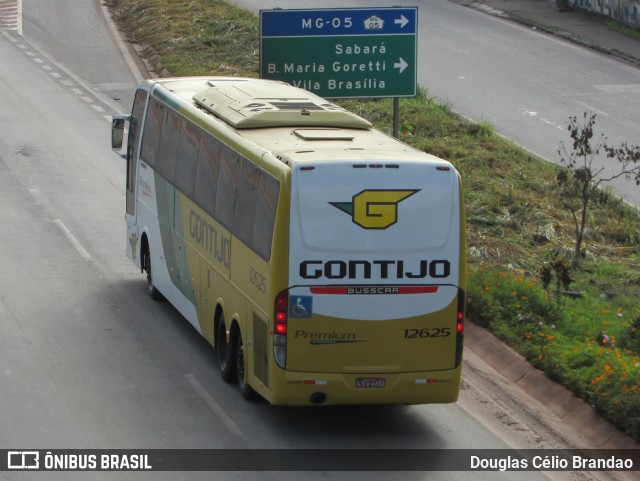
pixel 345 290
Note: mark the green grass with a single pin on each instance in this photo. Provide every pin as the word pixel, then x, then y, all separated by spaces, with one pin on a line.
pixel 590 344
pixel 191 37
pixel 623 29
pixel 516 223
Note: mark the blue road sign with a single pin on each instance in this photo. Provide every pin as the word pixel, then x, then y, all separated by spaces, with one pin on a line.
pixel 344 21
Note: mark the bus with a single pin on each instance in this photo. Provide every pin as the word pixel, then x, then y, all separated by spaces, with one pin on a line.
pixel 323 260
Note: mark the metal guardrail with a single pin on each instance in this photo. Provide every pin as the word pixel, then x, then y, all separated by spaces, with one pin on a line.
pixel 11 15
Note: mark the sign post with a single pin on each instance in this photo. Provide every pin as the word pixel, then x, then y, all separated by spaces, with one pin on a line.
pixel 341 53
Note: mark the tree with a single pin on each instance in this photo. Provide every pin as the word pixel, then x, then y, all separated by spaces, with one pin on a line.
pixel 583 174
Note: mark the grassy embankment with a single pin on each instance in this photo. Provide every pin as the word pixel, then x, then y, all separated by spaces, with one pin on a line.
pixel 516 223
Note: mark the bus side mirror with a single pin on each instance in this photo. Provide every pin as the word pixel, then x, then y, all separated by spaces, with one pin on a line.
pixel 117 132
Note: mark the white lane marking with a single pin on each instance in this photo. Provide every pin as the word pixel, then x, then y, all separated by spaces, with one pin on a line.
pixel 71 238
pixel 593 109
pixel 619 88
pixel 9 37
pixel 40 197
pixel 530 113
pixel 44 57
pixel 524 111
pixel 214 406
pixel 552 124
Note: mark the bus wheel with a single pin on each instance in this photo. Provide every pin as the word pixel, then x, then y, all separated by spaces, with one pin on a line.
pixel 226 352
pixel 153 291
pixel 247 391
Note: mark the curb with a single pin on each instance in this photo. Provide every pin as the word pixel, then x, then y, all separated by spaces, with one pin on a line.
pixel 562 402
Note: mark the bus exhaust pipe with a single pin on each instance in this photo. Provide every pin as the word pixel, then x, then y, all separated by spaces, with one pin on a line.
pixel 318 398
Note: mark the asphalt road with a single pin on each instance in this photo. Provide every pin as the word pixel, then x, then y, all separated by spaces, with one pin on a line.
pixel 87 360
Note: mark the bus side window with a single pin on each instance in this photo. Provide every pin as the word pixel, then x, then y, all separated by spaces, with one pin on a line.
pixel 227 186
pixel 207 173
pixel 246 198
pixel 151 137
pixel 169 144
pixel 266 206
pixel 187 162
pixel 135 122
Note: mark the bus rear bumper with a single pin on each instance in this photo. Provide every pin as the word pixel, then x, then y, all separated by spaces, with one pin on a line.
pixel 297 388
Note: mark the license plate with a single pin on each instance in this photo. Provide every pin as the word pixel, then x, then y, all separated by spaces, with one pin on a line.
pixel 374 382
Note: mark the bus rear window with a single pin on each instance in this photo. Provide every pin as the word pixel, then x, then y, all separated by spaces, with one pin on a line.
pixel 408 209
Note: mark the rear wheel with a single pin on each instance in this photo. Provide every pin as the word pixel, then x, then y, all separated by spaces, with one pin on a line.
pixel 247 391
pixel 153 291
pixel 226 352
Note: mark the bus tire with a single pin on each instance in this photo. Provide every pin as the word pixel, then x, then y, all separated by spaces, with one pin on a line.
pixel 226 352
pixel 153 291
pixel 245 389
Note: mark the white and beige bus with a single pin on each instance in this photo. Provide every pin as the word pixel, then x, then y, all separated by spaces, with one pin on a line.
pixel 322 259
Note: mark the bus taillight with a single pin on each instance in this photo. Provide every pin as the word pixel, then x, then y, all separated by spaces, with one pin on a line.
pixel 460 322
pixel 460 326
pixel 281 315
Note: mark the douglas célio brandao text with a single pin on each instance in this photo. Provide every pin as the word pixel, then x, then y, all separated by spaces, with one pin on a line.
pixel 550 463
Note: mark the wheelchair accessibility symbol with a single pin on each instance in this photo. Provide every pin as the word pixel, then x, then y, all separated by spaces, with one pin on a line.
pixel 300 306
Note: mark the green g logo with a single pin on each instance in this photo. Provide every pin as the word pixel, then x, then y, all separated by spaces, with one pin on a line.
pixel 375 209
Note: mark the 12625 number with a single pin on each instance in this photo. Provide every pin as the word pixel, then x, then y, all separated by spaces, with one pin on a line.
pixel 427 332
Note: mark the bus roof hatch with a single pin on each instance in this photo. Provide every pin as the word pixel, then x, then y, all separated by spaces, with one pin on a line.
pixel 265 103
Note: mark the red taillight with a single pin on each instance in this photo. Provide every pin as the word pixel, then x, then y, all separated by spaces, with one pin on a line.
pixel 282 302
pixel 280 317
pixel 281 313
pixel 460 326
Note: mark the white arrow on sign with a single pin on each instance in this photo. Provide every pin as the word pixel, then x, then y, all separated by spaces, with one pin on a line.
pixel 402 65
pixel 402 21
